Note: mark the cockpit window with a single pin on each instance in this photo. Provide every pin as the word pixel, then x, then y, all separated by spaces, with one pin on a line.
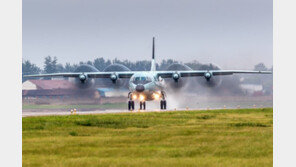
pixel 141 80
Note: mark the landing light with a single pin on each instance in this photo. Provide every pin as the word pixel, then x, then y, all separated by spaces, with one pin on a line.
pixel 134 97
pixel 156 96
pixel 142 98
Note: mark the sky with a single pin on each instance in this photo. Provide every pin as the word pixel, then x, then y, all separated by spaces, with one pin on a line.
pixel 233 34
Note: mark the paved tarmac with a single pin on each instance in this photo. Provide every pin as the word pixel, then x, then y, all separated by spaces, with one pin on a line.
pixel 59 112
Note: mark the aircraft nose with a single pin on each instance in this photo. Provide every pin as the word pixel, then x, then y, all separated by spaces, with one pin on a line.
pixel 140 88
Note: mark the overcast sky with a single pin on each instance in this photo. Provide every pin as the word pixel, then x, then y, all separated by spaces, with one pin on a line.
pixel 234 34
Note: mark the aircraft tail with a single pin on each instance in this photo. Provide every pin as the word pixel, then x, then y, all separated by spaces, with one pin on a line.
pixel 153 65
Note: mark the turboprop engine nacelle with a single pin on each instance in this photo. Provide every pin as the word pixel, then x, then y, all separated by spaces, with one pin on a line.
pixel 114 78
pixel 176 83
pixel 209 79
pixel 82 78
pixel 83 81
pixel 176 77
pixel 114 81
pixel 208 76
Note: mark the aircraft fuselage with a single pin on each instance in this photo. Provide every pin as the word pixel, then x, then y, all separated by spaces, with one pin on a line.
pixel 146 86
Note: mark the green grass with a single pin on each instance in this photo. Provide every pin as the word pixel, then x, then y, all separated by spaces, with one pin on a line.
pixel 185 138
pixel 81 106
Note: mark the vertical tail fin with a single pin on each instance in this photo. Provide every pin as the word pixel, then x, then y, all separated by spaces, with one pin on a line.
pixel 153 65
pixel 153 49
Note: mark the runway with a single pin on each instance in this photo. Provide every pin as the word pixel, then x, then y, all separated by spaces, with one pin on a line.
pixel 26 113
pixel 49 112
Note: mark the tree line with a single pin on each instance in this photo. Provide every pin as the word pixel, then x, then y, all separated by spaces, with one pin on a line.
pixel 51 65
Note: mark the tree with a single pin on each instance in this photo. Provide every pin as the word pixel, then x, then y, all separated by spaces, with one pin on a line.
pixel 70 68
pixel 101 64
pixel 50 65
pixel 166 63
pixel 60 68
pixel 260 67
pixel 29 68
pixel 89 63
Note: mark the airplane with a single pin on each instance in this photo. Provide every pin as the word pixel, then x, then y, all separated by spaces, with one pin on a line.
pixel 146 85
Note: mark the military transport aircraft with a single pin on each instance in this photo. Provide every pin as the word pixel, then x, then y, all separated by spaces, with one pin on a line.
pixel 143 85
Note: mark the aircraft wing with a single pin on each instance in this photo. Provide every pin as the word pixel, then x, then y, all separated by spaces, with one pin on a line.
pixel 196 73
pixel 121 74
pixel 163 74
pixel 55 75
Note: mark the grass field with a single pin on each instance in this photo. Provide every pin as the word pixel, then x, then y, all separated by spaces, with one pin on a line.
pixel 241 137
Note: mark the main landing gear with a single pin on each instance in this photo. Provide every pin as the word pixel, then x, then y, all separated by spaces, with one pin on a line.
pixel 131 105
pixel 142 105
pixel 131 102
pixel 163 103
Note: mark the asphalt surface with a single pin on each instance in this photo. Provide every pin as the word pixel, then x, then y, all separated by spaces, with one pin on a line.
pixel 50 112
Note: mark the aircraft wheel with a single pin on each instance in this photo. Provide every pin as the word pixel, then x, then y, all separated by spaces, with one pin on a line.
pixel 163 104
pixel 141 105
pixel 131 105
pixel 144 105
